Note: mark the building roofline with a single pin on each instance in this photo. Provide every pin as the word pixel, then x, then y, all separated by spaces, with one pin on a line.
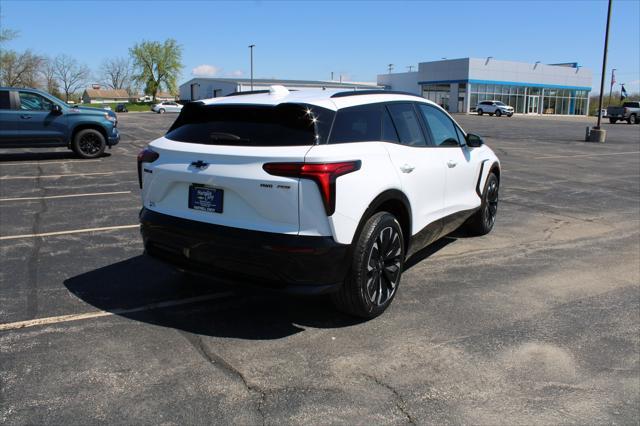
pixel 510 83
pixel 328 83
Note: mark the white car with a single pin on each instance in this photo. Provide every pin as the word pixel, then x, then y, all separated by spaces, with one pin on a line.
pixel 494 107
pixel 313 191
pixel 166 106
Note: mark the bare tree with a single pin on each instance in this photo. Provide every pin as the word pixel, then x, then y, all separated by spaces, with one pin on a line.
pixel 50 82
pixel 116 73
pixel 19 69
pixel 71 75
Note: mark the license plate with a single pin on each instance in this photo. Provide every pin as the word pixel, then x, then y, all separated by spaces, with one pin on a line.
pixel 205 198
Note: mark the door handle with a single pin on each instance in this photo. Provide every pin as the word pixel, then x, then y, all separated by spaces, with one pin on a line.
pixel 26 117
pixel 451 164
pixel 406 168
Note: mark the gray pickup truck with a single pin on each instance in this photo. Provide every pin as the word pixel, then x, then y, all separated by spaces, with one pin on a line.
pixel 629 112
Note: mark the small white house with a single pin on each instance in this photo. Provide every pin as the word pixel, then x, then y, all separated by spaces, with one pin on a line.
pixel 103 96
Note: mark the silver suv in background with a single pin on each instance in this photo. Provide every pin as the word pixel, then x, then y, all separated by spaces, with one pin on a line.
pixel 494 107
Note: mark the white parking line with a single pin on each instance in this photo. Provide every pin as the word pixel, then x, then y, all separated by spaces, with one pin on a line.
pixel 73 231
pixel 93 194
pixel 586 155
pixel 66 175
pixel 18 163
pixel 98 314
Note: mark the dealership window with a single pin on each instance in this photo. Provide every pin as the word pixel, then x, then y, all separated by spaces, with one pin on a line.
pixel 531 99
pixel 437 93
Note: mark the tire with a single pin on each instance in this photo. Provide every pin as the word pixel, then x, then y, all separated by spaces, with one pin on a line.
pixel 491 114
pixel 161 111
pixel 633 119
pixel 88 143
pixel 613 121
pixel 481 223
pixel 509 115
pixel 480 112
pixel 359 295
pixel 498 113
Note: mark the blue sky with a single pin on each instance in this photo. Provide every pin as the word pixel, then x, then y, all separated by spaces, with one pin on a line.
pixel 309 40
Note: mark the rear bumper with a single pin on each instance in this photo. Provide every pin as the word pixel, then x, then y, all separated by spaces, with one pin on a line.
pixel 293 263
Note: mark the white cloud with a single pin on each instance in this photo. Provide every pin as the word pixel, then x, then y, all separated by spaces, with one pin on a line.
pixel 205 70
pixel 237 73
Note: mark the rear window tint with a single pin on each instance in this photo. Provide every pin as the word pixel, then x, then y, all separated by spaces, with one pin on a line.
pixel 4 100
pixel 406 123
pixel 357 124
pixel 251 125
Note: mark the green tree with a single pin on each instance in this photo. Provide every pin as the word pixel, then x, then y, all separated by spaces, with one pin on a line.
pixel 157 65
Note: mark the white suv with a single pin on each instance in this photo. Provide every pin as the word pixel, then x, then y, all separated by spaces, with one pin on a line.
pixel 313 191
pixel 494 107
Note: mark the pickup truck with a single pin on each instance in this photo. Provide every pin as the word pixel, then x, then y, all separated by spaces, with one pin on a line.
pixel 30 118
pixel 629 112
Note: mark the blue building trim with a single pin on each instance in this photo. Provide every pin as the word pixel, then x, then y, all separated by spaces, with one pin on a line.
pixel 508 83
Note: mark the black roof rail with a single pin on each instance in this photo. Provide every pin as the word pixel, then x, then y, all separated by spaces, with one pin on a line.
pixel 249 92
pixel 372 92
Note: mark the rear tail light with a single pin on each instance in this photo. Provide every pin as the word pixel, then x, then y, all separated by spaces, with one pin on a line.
pixel 147 155
pixel 323 174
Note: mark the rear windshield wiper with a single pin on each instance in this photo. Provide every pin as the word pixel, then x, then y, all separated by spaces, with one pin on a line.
pixel 227 137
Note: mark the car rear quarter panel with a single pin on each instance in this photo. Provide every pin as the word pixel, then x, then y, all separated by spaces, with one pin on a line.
pixel 354 191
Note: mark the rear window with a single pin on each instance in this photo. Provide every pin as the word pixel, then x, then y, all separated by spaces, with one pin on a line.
pixel 4 99
pixel 357 124
pixel 251 125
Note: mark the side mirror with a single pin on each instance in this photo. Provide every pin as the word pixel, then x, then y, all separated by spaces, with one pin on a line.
pixel 474 141
pixel 55 109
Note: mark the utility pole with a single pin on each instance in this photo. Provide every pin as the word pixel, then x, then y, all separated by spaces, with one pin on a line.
pixel 390 68
pixel 596 134
pixel 331 75
pixel 613 80
pixel 251 46
pixel 410 67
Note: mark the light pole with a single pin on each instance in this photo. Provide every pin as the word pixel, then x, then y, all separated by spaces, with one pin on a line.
pixel 613 80
pixel 390 66
pixel 597 134
pixel 251 46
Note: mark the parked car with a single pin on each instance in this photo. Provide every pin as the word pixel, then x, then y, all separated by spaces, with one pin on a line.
pixel 166 106
pixel 121 108
pixel 629 112
pixel 31 118
pixel 313 192
pixel 107 107
pixel 494 107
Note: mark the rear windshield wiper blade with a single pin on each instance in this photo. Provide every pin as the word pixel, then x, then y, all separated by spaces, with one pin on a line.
pixel 227 137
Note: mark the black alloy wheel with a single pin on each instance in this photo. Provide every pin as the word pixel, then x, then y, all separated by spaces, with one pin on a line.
pixel 483 220
pixel 498 113
pixel 491 203
pixel 480 112
pixel 376 268
pixel 384 266
pixel 88 143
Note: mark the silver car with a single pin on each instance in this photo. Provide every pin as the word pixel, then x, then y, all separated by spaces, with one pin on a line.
pixel 166 106
pixel 494 107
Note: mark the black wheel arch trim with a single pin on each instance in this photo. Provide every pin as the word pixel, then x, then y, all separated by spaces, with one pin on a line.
pixel 494 167
pixel 379 200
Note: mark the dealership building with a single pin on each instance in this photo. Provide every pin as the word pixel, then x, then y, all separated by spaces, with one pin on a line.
pixel 213 87
pixel 459 84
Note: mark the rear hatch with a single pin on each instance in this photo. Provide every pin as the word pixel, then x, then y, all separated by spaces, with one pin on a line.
pixel 210 165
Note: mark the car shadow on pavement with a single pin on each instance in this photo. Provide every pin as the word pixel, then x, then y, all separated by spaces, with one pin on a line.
pixel 238 312
pixel 40 156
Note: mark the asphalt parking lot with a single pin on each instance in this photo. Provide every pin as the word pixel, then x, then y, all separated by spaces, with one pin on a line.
pixel 538 322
